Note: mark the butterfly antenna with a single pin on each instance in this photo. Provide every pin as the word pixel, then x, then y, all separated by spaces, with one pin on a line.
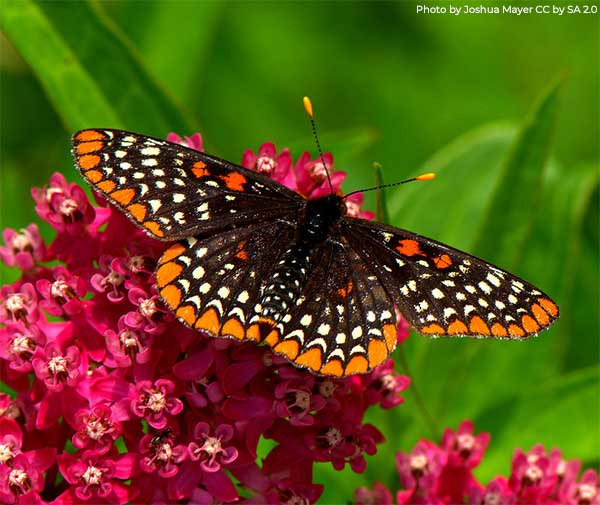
pixel 309 110
pixel 423 177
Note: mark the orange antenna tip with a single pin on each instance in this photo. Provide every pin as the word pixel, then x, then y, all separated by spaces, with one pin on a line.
pixel 425 177
pixel 308 106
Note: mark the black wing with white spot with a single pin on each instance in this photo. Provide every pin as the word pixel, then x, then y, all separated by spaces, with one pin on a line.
pixel 442 291
pixel 173 192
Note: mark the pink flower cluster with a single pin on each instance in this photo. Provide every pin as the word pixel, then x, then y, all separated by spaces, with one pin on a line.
pixel 434 475
pixel 114 401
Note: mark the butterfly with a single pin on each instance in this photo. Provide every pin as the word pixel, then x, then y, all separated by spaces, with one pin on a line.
pixel 252 260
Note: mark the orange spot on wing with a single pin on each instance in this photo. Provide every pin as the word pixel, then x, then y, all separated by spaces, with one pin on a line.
pixel 478 326
pixel 253 332
pixel 358 364
pixel 123 196
pixel 241 252
pixel 89 147
pixel 498 330
pixel 432 329
pixel 209 321
pixel 199 169
pixel 515 331
pixel 312 359
pixel 234 181
pixel 94 176
pixel 540 314
pixel 443 261
pixel 234 328
pixel 154 227
pixel 187 313
pixel 273 337
pixel 171 295
pixel 88 161
pixel 344 292
pixel 333 367
pixel 167 272
pixel 377 352
pixel 549 306
pixel 457 328
pixel 172 252
pixel 106 186
pixel 138 211
pixel 390 334
pixel 409 248
pixel 289 348
pixel 87 135
pixel 529 324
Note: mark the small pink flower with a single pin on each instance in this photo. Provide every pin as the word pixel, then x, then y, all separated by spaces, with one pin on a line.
pixel 193 142
pixel 269 163
pixel 57 368
pixel 379 495
pixel 211 450
pixel 159 454
pixel 23 249
pixel 63 294
pixel 463 447
pixel 155 401
pixel 19 305
pixel 129 345
pixel 110 278
pixel 311 175
pixel 385 385
pixel 353 207
pixel 96 429
pixel 11 440
pixel 18 344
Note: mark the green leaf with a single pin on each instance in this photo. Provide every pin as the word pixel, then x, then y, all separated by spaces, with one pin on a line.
pixel 516 197
pixel 91 74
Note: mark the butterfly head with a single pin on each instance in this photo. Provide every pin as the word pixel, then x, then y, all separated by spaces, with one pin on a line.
pixel 320 215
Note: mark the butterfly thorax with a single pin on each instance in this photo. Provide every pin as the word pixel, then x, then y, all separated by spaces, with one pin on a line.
pixel 287 282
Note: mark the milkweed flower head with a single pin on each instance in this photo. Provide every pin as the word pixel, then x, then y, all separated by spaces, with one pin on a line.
pixel 443 474
pixel 115 401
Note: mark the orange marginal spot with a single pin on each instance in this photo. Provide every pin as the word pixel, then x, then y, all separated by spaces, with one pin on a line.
pixel 377 352
pixel 199 169
pixel 240 251
pixel 172 252
pixel 234 181
pixel 390 333
pixel 234 328
pixel 333 367
pixel 167 272
pixel 209 321
pixel 344 292
pixel 153 227
pixel 87 135
pixel 540 314
pixel 432 329
pixel 312 359
pixel 172 295
pixel 529 324
pixel 272 338
pixel 358 364
pixel 442 261
pixel 94 176
pixel 138 211
pixel 253 332
pixel 515 331
pixel 549 306
pixel 89 147
pixel 457 328
pixel 409 248
pixel 187 313
pixel 498 330
pixel 106 186
pixel 289 348
pixel 478 326
pixel 88 161
pixel 123 196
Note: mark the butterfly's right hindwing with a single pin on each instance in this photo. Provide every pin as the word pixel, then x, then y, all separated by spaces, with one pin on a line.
pixel 172 191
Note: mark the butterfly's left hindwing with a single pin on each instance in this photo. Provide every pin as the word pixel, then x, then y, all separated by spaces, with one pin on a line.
pixel 441 291
pixel 173 192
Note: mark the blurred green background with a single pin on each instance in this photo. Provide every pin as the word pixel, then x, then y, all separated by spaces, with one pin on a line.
pixel 504 108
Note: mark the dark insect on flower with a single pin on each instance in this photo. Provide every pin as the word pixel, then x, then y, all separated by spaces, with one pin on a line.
pixel 254 260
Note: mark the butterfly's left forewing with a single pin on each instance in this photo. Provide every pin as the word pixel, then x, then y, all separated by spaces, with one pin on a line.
pixel 441 291
pixel 173 192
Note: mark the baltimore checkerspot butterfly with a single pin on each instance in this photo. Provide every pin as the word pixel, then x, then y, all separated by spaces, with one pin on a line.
pixel 253 260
